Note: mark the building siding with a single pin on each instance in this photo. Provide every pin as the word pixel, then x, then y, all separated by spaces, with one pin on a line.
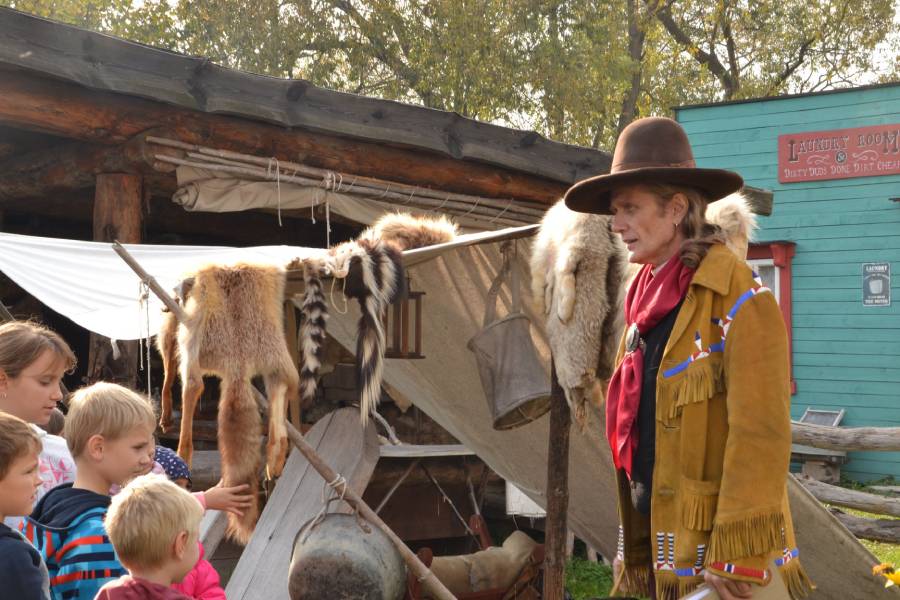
pixel 845 355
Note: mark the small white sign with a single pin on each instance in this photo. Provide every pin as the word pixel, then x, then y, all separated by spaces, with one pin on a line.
pixel 876 282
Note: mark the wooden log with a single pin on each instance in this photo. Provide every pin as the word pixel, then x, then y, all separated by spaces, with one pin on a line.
pixel 74 166
pixel 557 492
pixel 118 200
pixel 877 530
pixel 77 112
pixel 832 494
pixel 846 438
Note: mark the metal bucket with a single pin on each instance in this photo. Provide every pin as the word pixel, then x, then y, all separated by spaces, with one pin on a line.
pixel 336 558
pixel 515 383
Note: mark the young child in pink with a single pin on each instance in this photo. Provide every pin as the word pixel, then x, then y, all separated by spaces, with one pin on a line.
pixel 202 582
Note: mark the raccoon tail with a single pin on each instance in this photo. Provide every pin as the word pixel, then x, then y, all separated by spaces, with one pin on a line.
pixel 314 315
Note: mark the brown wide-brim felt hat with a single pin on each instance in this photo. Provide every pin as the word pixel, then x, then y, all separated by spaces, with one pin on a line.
pixel 651 150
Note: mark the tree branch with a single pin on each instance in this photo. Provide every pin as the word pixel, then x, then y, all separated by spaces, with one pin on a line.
pixel 707 59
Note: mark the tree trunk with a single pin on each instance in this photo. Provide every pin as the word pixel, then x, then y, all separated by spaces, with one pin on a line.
pixel 117 216
pixel 557 492
pixel 877 530
pixel 847 438
pixel 833 494
pixel 636 37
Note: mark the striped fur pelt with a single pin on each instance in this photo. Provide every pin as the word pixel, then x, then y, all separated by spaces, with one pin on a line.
pixel 313 315
pixel 375 280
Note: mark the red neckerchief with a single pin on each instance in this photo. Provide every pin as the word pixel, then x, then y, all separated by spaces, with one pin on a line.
pixel 650 298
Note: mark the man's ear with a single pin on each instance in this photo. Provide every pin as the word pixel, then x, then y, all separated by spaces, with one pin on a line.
pixel 678 205
pixel 4 381
pixel 95 446
pixel 181 543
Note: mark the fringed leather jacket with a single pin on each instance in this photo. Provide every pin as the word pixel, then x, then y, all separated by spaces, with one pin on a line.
pixel 723 443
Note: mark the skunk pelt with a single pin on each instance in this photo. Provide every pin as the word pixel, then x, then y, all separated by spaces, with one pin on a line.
pixel 409 232
pixel 376 280
pixel 313 315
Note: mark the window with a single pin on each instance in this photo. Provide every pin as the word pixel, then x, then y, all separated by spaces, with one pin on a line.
pixel 772 260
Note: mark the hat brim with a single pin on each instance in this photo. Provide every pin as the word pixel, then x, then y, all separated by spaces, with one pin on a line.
pixel 593 195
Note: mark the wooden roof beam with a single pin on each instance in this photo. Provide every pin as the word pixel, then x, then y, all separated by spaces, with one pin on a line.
pixel 40 104
pixel 74 166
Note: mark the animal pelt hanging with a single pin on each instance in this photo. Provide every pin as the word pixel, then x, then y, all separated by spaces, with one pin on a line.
pixel 408 232
pixel 375 279
pixel 584 317
pixel 579 276
pixel 234 329
pixel 372 267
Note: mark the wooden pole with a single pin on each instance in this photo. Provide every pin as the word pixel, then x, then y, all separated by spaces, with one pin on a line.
pixel 877 530
pixel 117 215
pixel 557 492
pixel 422 573
pixel 886 439
pixel 832 494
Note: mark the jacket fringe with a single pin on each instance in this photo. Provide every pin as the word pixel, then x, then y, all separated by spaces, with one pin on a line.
pixel 795 578
pixel 632 581
pixel 667 586
pixel 703 380
pixel 755 535
pixel 699 511
pixel 686 585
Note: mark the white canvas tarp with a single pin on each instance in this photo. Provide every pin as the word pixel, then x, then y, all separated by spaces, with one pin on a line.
pixel 91 285
pixel 210 191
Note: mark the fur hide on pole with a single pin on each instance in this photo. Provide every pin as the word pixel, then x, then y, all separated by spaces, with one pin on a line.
pixel 234 329
pixel 579 276
pixel 583 317
pixel 375 280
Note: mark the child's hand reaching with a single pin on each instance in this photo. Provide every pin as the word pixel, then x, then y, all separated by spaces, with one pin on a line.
pixel 230 499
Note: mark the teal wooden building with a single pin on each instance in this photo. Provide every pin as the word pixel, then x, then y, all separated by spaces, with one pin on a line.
pixel 831 244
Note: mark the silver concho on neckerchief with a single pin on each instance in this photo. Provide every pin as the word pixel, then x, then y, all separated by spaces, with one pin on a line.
pixel 633 338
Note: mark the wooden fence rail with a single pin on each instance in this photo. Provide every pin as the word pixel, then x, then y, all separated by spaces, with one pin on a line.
pixel 885 439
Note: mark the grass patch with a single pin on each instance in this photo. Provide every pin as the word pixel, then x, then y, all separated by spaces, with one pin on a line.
pixel 884 552
pixel 586 579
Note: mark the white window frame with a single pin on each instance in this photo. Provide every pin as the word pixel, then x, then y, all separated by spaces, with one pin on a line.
pixel 768 262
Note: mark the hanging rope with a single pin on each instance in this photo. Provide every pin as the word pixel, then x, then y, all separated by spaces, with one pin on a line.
pixel 274 162
pixel 331 293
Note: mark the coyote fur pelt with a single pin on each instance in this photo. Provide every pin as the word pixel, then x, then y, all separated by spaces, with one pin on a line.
pixel 235 331
pixel 579 276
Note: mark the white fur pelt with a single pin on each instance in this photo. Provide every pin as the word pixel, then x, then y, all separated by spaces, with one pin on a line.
pixel 583 315
pixel 733 215
pixel 579 275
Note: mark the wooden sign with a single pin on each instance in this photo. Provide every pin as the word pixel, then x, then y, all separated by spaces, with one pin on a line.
pixel 839 153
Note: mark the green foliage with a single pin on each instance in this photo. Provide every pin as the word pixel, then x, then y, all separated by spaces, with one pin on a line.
pixel 585 579
pixel 564 68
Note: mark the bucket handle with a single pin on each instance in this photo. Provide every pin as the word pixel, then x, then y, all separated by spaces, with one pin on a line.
pixel 507 270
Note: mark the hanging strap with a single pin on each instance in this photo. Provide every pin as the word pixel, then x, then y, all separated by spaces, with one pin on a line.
pixel 507 270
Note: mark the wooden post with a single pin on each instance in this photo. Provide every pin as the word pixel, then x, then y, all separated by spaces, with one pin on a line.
pixel 557 492
pixel 117 216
